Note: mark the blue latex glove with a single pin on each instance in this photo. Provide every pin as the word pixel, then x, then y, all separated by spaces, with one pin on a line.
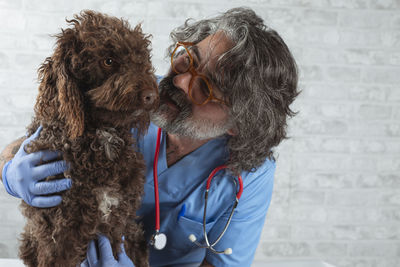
pixel 22 176
pixel 102 255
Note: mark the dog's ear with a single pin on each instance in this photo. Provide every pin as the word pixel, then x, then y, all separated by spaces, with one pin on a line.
pixel 70 98
pixel 46 107
pixel 71 108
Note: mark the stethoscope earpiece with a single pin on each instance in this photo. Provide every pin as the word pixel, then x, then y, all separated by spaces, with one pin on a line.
pixel 193 238
pixel 228 251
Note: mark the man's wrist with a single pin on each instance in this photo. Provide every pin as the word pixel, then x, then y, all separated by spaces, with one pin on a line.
pixel 3 163
pixel 4 179
pixel 9 152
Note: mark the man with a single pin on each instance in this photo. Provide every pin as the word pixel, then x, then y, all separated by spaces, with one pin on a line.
pixel 225 101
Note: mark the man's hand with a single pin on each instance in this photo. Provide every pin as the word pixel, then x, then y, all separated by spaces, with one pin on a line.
pixel 22 176
pixel 101 255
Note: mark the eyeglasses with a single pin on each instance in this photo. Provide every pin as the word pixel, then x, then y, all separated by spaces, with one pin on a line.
pixel 200 89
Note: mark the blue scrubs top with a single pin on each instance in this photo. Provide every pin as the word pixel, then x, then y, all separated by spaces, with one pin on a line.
pixel 181 193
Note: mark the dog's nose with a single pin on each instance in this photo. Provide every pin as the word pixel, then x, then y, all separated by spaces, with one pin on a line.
pixel 149 98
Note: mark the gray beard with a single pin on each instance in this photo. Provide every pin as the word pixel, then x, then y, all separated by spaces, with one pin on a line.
pixel 184 125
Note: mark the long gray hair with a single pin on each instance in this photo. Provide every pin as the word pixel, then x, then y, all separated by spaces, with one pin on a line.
pixel 258 77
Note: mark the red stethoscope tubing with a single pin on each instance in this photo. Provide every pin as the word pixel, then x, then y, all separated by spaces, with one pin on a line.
pixel 212 174
pixel 155 177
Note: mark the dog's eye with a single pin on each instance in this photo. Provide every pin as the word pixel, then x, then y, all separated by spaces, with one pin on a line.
pixel 108 62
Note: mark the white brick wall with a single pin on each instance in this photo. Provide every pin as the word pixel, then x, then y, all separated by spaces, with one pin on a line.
pixel 337 183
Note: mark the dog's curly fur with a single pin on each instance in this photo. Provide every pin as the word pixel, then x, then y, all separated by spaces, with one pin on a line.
pixel 98 84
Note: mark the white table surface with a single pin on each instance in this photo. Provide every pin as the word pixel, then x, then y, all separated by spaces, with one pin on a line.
pixel 11 263
pixel 291 263
pixel 287 263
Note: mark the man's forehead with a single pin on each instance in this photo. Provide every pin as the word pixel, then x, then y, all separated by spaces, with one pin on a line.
pixel 214 45
pixel 209 49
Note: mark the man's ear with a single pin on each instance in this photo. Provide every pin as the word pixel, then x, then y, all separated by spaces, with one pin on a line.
pixel 232 132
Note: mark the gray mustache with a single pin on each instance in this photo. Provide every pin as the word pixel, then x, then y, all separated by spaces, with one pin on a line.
pixel 168 90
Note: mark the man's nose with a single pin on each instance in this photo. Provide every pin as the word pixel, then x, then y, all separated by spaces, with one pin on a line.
pixel 182 81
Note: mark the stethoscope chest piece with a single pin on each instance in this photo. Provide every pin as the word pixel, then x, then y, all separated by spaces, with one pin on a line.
pixel 159 241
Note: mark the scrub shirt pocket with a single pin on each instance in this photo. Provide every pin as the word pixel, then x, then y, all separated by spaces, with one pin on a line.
pixel 184 227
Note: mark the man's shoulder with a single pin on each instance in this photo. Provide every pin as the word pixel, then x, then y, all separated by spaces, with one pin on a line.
pixel 260 177
pixel 268 166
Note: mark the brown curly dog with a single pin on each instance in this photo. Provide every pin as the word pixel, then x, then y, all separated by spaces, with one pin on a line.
pixel 96 87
